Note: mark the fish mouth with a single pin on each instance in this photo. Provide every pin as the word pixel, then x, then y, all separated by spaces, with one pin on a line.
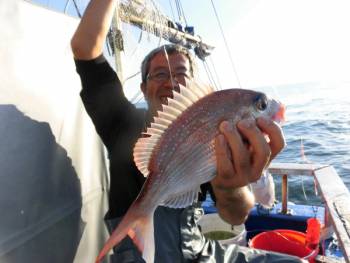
pixel 280 117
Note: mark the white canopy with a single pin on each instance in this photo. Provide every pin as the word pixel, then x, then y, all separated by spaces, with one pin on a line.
pixel 53 175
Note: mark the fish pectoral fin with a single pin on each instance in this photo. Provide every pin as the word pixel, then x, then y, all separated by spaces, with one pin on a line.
pixel 264 190
pixel 183 199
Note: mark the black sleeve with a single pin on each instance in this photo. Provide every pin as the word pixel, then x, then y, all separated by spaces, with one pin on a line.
pixel 103 98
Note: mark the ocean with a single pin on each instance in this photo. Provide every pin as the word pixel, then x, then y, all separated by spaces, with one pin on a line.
pixel 318 117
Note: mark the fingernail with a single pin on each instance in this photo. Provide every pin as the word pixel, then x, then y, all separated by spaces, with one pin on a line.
pixel 226 126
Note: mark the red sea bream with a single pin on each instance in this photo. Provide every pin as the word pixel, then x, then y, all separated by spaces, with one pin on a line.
pixel 178 154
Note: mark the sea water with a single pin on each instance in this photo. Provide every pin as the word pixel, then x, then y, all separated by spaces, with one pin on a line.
pixel 318 119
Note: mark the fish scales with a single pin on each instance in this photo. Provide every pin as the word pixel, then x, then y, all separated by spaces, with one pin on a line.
pixel 197 125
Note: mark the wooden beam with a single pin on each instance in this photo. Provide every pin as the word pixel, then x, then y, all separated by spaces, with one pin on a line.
pixel 324 259
pixel 293 168
pixel 284 194
pixel 136 17
pixel 337 200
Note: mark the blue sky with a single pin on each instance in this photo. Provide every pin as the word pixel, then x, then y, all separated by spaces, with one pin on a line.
pixel 272 42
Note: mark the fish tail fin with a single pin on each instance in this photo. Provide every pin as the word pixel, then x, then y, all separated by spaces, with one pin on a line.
pixel 140 230
pixel 142 234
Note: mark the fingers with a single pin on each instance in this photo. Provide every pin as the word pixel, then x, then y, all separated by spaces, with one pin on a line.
pixel 247 163
pixel 225 171
pixel 223 157
pixel 227 177
pixel 261 152
pixel 275 134
pixel 241 160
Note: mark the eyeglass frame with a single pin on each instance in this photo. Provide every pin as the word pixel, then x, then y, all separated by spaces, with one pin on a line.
pixel 167 76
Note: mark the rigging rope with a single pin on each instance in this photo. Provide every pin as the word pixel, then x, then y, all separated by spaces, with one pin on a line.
pixel 178 9
pixel 172 10
pixel 76 8
pixel 226 44
pixel 183 13
pixel 215 72
pixel 210 76
pixel 66 6
pixel 136 98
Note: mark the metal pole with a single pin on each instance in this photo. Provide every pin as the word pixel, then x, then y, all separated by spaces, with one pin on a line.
pixel 117 43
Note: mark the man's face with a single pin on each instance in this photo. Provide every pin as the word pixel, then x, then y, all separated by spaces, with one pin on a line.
pixel 161 80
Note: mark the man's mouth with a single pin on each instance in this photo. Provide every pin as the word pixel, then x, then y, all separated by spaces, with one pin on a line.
pixel 164 99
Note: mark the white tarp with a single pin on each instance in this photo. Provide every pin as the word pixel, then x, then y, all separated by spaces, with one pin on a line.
pixel 52 169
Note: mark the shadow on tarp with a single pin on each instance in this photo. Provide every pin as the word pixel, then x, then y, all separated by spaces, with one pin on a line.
pixel 40 194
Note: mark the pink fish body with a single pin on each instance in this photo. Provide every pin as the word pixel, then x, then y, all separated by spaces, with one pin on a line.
pixel 178 156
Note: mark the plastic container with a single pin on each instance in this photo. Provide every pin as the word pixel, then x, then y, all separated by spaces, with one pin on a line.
pixel 212 223
pixel 284 241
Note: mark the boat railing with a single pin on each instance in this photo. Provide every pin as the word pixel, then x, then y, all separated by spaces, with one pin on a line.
pixel 334 194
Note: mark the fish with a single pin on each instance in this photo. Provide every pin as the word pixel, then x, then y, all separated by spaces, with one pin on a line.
pixel 177 154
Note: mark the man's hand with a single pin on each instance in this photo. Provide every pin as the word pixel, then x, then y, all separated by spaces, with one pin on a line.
pixel 242 153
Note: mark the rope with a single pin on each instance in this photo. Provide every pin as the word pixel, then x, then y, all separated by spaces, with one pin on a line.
pixel 172 10
pixel 136 98
pixel 183 13
pixel 160 21
pixel 66 6
pixel 76 8
pixel 227 47
pixel 131 76
pixel 210 76
pixel 215 72
pixel 178 9
pixel 140 93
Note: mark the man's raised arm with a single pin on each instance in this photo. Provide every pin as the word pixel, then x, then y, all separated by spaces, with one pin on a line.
pixel 88 40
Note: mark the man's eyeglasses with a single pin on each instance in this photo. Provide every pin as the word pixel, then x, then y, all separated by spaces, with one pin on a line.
pixel 163 76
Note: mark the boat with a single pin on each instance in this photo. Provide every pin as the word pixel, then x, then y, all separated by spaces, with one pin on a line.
pixel 54 176
pixel 333 215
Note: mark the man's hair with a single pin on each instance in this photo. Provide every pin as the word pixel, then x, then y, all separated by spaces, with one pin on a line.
pixel 170 49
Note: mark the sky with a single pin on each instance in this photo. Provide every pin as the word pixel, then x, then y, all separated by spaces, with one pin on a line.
pixel 271 42
pixel 276 42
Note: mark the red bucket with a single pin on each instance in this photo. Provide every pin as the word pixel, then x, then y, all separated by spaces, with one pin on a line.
pixel 284 241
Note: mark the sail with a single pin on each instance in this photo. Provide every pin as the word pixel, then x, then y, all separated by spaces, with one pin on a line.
pixel 53 171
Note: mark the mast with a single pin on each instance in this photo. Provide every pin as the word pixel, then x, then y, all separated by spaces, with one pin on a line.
pixel 117 43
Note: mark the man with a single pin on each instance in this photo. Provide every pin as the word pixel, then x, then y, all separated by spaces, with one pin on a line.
pixel 119 124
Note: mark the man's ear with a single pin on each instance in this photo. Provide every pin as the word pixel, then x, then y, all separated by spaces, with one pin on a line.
pixel 143 89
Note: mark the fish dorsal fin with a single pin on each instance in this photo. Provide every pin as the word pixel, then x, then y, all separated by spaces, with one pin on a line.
pixel 182 101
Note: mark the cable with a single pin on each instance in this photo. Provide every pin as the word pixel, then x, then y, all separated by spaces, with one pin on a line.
pixel 209 75
pixel 66 6
pixel 136 98
pixel 215 72
pixel 76 8
pixel 183 13
pixel 172 10
pixel 131 76
pixel 178 9
pixel 227 48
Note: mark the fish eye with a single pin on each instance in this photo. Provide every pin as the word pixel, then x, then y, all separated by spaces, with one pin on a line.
pixel 261 102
